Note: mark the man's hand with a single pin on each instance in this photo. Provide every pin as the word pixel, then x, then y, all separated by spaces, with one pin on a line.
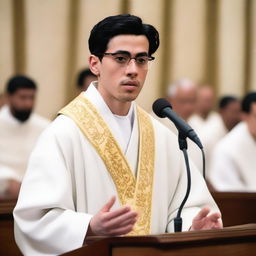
pixel 112 223
pixel 203 221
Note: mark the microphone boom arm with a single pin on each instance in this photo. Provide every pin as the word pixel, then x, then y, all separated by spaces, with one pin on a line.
pixel 183 147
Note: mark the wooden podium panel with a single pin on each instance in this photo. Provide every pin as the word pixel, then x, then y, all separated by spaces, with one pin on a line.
pixel 236 208
pixel 8 246
pixel 232 241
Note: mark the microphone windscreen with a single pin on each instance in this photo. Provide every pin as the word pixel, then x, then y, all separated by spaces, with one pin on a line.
pixel 159 105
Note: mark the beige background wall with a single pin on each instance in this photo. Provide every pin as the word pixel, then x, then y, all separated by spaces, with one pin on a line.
pixel 6 42
pixel 211 41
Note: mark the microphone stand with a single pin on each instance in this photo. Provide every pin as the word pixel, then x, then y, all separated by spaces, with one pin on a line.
pixel 183 146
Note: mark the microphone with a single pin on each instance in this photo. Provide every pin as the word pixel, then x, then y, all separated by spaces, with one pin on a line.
pixel 162 108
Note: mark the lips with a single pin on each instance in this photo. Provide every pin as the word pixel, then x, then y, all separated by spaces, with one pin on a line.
pixel 130 83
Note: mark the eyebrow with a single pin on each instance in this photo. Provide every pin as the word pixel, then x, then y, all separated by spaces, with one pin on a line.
pixel 128 53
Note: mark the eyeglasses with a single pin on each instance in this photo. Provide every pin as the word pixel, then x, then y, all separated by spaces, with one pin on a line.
pixel 124 58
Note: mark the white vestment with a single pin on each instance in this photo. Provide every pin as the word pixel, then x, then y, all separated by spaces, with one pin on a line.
pixel 234 166
pixel 200 125
pixel 67 183
pixel 210 136
pixel 17 140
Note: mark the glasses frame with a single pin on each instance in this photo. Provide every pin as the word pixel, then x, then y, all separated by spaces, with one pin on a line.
pixel 150 58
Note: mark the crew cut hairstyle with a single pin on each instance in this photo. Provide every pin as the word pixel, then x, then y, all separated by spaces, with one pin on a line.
pixel 248 100
pixel 20 82
pixel 124 24
pixel 226 100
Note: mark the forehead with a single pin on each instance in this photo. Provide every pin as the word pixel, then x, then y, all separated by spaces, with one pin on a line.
pixel 186 92
pixel 24 92
pixel 234 103
pixel 131 43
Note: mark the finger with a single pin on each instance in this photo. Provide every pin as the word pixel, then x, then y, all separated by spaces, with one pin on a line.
pixel 202 214
pixel 120 211
pixel 108 205
pixel 129 221
pixel 218 224
pixel 214 217
pixel 121 230
pixel 122 220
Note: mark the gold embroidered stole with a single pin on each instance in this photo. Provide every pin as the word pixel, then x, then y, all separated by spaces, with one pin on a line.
pixel 131 191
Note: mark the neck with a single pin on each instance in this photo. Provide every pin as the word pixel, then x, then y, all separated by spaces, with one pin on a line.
pixel 204 115
pixel 119 108
pixel 227 125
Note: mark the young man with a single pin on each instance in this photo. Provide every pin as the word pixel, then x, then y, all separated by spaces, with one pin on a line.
pixel 104 166
pixel 19 130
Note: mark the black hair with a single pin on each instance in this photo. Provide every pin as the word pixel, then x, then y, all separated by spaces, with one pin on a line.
pixel 124 24
pixel 82 75
pixel 226 100
pixel 247 101
pixel 20 82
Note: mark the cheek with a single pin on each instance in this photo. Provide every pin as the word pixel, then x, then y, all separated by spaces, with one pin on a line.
pixel 144 73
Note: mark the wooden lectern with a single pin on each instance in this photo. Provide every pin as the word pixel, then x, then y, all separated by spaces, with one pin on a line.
pixel 232 241
pixel 8 246
pixel 236 208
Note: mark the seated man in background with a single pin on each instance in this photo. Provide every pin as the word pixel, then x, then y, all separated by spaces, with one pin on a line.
pixel 229 117
pixel 204 109
pixel 19 130
pixel 2 99
pixel 233 165
pixel 85 77
pixel 182 95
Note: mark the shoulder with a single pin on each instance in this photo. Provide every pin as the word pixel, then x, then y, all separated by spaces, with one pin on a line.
pixel 229 143
pixel 62 125
pixel 5 113
pixel 39 120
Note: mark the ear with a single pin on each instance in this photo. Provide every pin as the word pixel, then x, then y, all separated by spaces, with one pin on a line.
pixel 94 64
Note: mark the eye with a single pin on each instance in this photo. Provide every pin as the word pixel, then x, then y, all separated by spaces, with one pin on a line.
pixel 142 60
pixel 121 58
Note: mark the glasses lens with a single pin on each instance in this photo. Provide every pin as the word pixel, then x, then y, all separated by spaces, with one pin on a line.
pixel 121 58
pixel 142 60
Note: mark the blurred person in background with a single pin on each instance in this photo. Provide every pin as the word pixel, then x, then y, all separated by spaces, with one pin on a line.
pixel 182 95
pixel 204 112
pixel 84 78
pixel 2 99
pixel 229 117
pixel 233 166
pixel 19 130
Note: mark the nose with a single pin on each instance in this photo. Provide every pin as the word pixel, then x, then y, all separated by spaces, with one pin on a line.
pixel 132 68
pixel 27 102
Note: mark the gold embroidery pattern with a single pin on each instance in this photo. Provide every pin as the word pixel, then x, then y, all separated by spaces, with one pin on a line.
pixel 144 185
pixel 138 193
